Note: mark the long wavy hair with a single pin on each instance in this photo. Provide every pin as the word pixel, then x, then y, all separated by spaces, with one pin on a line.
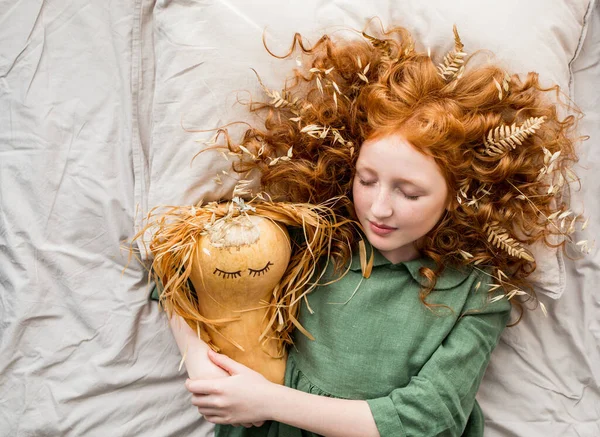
pixel 498 139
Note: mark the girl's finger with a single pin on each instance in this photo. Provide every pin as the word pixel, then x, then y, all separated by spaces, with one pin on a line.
pixel 206 401
pixel 209 412
pixel 250 425
pixel 213 419
pixel 199 386
pixel 224 362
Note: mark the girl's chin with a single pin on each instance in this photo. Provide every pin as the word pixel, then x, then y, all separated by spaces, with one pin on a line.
pixel 393 252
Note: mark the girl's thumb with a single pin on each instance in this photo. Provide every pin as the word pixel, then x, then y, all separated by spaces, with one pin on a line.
pixel 224 362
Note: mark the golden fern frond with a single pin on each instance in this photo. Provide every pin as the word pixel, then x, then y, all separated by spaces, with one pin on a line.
pixel 504 138
pixel 500 238
pixel 453 64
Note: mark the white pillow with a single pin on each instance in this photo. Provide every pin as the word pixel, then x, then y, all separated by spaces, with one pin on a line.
pixel 204 52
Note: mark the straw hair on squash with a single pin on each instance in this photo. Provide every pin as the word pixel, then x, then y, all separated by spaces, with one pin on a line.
pixel 174 245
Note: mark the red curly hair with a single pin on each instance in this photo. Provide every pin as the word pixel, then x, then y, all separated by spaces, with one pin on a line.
pixel 495 137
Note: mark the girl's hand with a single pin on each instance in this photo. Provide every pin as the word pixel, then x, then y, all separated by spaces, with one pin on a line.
pixel 242 398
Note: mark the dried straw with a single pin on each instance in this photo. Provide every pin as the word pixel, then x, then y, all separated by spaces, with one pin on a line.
pixel 175 247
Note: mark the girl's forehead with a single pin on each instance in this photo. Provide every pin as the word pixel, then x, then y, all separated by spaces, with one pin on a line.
pixel 394 154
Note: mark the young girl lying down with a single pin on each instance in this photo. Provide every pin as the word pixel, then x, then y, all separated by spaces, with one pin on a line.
pixel 453 171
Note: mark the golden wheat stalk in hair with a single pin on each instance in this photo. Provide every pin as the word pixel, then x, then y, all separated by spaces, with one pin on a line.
pixel 505 87
pixel 500 238
pixel 453 64
pixel 363 75
pixel 280 100
pixel 504 138
pixel 410 47
pixel 382 45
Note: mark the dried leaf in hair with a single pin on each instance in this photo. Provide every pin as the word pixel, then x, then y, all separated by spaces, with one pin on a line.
pixel 499 89
pixel 383 45
pixel 277 100
pixel 571 227
pixel 567 213
pixel 319 84
pixel 504 138
pixel 453 64
pixel 494 287
pixel 497 298
pixel 553 215
pixel 585 224
pixel 335 86
pixel 500 238
pixel 506 81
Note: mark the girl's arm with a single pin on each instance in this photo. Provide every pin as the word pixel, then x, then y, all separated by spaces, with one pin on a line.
pixel 246 396
pixel 194 351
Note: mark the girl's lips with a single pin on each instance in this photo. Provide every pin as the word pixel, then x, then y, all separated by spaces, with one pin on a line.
pixel 380 229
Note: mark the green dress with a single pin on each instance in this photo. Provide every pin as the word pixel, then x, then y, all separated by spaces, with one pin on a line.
pixel 418 368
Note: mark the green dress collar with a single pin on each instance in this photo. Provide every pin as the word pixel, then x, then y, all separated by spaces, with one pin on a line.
pixel 450 278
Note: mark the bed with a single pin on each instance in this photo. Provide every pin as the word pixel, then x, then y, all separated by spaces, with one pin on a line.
pixel 101 104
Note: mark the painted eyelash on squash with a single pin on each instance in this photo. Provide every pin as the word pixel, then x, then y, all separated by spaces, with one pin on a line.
pixel 262 271
pixel 227 275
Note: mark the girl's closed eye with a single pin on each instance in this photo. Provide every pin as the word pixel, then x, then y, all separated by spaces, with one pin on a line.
pixel 366 183
pixel 409 196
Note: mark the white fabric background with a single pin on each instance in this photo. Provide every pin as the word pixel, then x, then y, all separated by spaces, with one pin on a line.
pixel 82 351
pixel 93 96
pixel 544 377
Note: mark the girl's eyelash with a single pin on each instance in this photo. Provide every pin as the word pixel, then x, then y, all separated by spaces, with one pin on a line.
pixel 262 271
pixel 227 275
pixel 367 183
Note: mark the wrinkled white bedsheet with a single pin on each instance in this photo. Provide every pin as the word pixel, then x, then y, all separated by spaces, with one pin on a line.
pixel 544 377
pixel 82 351
pixel 93 95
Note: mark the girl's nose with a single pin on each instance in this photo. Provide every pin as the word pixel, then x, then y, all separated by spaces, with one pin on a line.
pixel 381 206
